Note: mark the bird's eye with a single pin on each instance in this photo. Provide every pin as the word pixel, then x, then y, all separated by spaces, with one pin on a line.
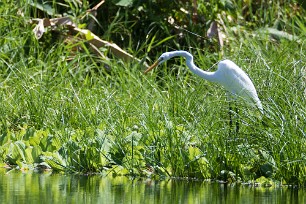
pixel 161 59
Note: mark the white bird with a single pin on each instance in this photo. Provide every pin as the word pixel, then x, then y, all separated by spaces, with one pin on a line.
pixel 228 74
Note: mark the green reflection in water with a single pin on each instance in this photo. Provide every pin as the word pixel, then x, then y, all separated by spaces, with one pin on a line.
pixel 16 187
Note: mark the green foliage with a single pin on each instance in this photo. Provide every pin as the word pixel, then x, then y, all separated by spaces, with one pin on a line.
pixel 72 112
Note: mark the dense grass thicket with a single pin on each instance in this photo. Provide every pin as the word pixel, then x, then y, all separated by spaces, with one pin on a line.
pixel 74 112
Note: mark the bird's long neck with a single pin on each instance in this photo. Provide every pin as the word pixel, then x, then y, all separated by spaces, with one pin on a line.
pixel 210 76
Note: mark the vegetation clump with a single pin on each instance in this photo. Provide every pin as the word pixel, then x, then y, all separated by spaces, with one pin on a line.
pixel 65 108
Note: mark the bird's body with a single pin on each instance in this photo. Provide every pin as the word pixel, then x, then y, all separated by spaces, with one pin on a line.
pixel 237 82
pixel 228 74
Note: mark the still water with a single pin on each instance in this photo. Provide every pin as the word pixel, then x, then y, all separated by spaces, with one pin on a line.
pixel 16 187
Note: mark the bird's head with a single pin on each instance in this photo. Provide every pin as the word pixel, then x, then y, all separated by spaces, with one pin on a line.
pixel 164 57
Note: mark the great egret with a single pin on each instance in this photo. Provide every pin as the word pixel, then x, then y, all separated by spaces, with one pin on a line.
pixel 228 74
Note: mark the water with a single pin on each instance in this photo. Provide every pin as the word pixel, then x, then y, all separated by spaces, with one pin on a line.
pixel 16 187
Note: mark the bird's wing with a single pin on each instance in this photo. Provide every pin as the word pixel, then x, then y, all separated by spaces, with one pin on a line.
pixel 238 83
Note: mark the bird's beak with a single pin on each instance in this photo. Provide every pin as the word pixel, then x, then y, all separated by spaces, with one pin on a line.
pixel 152 67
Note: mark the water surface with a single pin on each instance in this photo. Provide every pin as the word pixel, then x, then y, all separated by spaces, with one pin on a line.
pixel 17 187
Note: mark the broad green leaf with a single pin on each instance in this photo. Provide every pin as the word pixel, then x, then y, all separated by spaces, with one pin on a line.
pixel 36 153
pixel 193 152
pixel 125 3
pixel 28 156
pixel 37 137
pixel 56 141
pixel 29 132
pixel 19 149
pixel 54 160
pixel 32 154
pixel 264 181
pixel 4 138
pixel 43 7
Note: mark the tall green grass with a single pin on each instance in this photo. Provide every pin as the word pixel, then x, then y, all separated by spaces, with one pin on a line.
pixel 74 115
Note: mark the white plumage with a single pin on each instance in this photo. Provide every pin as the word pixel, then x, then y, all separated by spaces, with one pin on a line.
pixel 228 74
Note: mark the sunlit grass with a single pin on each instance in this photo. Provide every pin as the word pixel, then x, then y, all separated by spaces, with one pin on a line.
pixel 77 116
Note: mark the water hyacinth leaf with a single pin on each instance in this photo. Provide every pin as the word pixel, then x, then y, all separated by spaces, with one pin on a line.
pixel 134 159
pixel 44 143
pixel 15 152
pixel 4 138
pixel 103 142
pixel 265 182
pixel 54 160
pixel 34 141
pixel 36 152
pixel 18 150
pixel 29 132
pixel 37 137
pixel 103 152
pixel 28 156
pixel 267 157
pixel 104 160
pixel 19 135
pixel 50 143
pixel 134 137
pixel 118 170
pixel 56 142
pixel 194 152
pixel 12 154
pixel 204 167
